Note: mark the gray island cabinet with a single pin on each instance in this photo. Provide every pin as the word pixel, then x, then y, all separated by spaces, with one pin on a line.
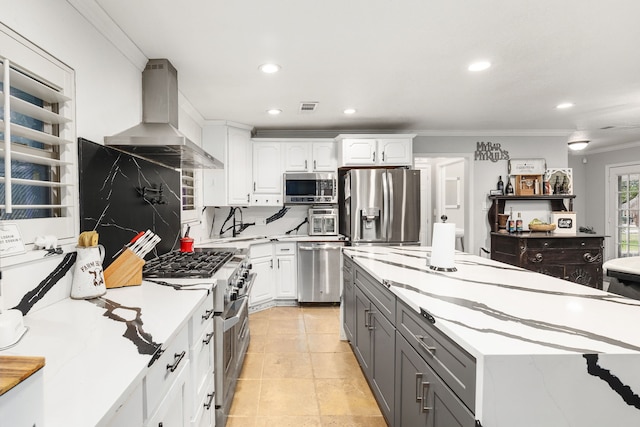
pixel 488 345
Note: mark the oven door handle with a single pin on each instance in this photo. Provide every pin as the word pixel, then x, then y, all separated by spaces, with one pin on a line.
pixel 232 321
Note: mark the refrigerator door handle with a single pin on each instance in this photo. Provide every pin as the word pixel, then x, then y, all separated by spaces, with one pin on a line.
pixel 386 201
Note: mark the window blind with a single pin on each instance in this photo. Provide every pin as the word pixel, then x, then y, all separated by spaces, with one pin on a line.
pixel 38 155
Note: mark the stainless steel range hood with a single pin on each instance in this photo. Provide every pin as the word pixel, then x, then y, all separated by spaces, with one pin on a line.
pixel 157 138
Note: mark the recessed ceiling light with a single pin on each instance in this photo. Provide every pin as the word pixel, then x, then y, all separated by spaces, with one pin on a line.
pixel 350 111
pixel 269 68
pixel 564 105
pixel 274 111
pixel 479 66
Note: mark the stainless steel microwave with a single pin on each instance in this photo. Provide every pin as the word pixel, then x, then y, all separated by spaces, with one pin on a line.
pixel 309 188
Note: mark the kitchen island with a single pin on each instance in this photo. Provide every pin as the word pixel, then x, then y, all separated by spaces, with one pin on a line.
pixel 503 346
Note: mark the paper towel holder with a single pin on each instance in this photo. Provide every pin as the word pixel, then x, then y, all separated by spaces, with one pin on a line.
pixel 443 260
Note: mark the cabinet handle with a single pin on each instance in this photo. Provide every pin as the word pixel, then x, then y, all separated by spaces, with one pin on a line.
pixel 383 156
pixel 418 390
pixel 430 350
pixel 371 313
pixel 207 405
pixel 366 316
pixel 305 164
pixel 537 258
pixel 207 340
pixel 248 197
pixel 315 166
pixel 592 258
pixel 285 249
pixel 254 186
pixel 278 263
pixel 177 358
pixel 207 315
pixel 374 156
pixel 425 392
pixel 271 264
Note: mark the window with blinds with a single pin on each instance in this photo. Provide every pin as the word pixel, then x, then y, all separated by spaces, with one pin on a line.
pixel 37 142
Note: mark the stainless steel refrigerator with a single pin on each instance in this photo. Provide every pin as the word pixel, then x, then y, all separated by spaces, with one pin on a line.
pixel 380 206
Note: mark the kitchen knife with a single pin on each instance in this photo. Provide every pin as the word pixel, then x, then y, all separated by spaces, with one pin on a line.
pixel 148 235
pixel 131 242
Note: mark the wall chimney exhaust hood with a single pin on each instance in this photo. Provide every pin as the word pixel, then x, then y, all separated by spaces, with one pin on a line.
pixel 157 138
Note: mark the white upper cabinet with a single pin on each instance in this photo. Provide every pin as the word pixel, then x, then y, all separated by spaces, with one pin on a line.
pixel 324 156
pixel 373 150
pixel 267 174
pixel 310 156
pixel 230 186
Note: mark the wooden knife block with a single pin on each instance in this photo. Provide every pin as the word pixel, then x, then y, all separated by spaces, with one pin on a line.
pixel 126 270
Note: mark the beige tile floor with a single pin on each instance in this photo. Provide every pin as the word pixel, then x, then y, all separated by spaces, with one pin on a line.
pixel 297 373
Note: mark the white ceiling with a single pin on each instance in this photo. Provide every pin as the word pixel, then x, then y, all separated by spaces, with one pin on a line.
pixel 401 63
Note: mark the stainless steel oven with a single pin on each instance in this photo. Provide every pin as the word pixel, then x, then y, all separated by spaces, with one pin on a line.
pixel 231 329
pixel 323 221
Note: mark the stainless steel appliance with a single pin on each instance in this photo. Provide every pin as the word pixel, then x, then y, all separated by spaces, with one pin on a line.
pixel 319 271
pixel 323 221
pixel 309 188
pixel 157 138
pixel 380 206
pixel 230 269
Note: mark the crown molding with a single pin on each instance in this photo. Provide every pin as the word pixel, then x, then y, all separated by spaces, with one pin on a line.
pixel 493 132
pixel 102 22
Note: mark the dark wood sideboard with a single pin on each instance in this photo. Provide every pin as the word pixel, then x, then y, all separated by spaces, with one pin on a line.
pixel 577 258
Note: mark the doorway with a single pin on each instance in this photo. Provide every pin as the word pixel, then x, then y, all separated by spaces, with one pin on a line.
pixel 445 191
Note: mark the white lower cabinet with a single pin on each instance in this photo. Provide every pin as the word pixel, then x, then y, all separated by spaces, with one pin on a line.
pixel 130 414
pixel 22 406
pixel 173 409
pixel 201 342
pixel 262 265
pixel 286 271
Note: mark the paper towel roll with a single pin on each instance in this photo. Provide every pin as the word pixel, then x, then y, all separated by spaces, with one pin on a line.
pixel 443 247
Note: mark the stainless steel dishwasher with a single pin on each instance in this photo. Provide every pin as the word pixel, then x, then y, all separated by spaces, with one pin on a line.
pixel 319 271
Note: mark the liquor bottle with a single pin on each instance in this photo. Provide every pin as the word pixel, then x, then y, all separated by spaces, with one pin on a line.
pixel 511 223
pixel 557 186
pixel 500 185
pixel 519 224
pixel 509 190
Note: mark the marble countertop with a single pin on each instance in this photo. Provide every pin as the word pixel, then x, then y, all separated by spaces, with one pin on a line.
pixel 246 241
pixel 491 308
pixel 98 350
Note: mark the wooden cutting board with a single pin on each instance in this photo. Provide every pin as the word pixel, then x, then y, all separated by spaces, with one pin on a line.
pixel 15 369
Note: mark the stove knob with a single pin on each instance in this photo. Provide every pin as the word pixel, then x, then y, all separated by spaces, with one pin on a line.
pixel 245 274
pixel 249 266
pixel 234 295
pixel 240 283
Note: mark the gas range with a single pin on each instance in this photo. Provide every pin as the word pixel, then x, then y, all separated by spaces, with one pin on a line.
pixel 202 263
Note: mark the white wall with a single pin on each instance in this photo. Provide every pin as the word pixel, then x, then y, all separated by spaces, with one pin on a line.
pixel 108 85
pixel 484 174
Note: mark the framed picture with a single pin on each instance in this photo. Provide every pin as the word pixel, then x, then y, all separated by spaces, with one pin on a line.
pixel 527 166
pixel 560 180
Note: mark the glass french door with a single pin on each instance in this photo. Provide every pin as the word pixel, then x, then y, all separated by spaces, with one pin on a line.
pixel 624 210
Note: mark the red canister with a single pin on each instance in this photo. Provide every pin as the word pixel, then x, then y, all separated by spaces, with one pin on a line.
pixel 186 244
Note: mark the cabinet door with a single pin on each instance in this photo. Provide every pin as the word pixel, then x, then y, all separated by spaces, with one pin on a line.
pixel 267 173
pixel 286 279
pixel 382 361
pixel 239 161
pixel 362 345
pixel 349 302
pixel 395 152
pixel 422 399
pixel 358 152
pixel 173 410
pixel 262 289
pixel 325 157
pixel 296 156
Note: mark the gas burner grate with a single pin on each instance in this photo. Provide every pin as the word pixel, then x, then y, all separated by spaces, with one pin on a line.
pixel 199 264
